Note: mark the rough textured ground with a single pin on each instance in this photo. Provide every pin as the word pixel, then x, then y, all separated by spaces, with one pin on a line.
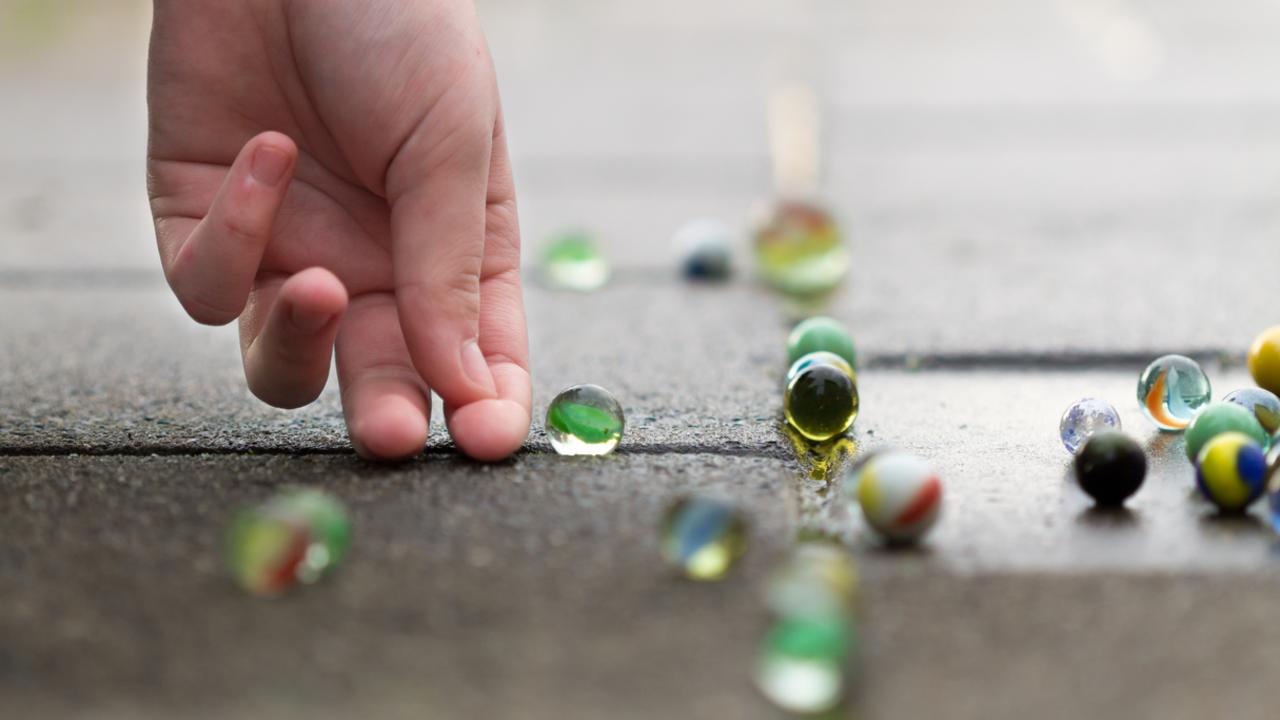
pixel 1041 196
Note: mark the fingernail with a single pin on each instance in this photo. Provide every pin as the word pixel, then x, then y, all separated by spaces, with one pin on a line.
pixel 474 365
pixel 309 322
pixel 269 165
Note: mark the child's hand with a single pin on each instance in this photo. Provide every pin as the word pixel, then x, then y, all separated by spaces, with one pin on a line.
pixel 331 169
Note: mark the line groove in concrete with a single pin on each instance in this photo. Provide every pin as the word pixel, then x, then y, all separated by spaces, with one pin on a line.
pixel 168 451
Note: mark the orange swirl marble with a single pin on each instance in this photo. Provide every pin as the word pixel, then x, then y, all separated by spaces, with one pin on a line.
pixel 1156 405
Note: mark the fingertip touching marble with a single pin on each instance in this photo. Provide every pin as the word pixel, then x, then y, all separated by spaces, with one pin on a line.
pixel 703 537
pixel 1110 467
pixel 297 536
pixel 1231 471
pixel 1083 419
pixel 705 249
pixel 1262 403
pixel 799 249
pixel 821 401
pixel 585 420
pixel 900 496
pixel 1222 417
pixel 572 261
pixel 821 334
pixel 1171 390
pixel 1264 359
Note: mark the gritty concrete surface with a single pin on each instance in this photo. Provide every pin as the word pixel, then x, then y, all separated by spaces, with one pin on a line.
pixel 1041 196
pixel 992 431
pixel 534 589
pixel 1029 645
pixel 696 367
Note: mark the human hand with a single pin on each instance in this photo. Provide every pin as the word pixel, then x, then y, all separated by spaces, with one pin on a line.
pixel 335 175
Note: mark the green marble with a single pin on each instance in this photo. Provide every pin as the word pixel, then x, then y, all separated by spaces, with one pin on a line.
pixel 811 638
pixel 821 334
pixel 801 667
pixel 298 535
pixel 572 261
pixel 328 524
pixel 1223 417
pixel 585 420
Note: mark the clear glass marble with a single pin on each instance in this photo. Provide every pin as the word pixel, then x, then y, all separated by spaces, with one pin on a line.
pixel 1172 390
pixel 1085 418
pixel 703 537
pixel 799 249
pixel 585 420
pixel 1262 403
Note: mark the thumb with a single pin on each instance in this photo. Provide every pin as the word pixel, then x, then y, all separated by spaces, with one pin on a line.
pixel 213 268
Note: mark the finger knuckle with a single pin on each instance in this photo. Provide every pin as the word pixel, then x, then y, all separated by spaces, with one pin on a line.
pixel 239 230
pixel 195 296
pixel 502 226
pixel 454 294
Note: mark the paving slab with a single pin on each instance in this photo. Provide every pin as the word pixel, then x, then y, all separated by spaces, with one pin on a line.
pixel 534 589
pixel 694 366
pixel 1069 647
pixel 530 588
pixel 991 429
pixel 87 388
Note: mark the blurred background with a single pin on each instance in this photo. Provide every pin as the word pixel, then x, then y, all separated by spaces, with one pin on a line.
pixel 1039 165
